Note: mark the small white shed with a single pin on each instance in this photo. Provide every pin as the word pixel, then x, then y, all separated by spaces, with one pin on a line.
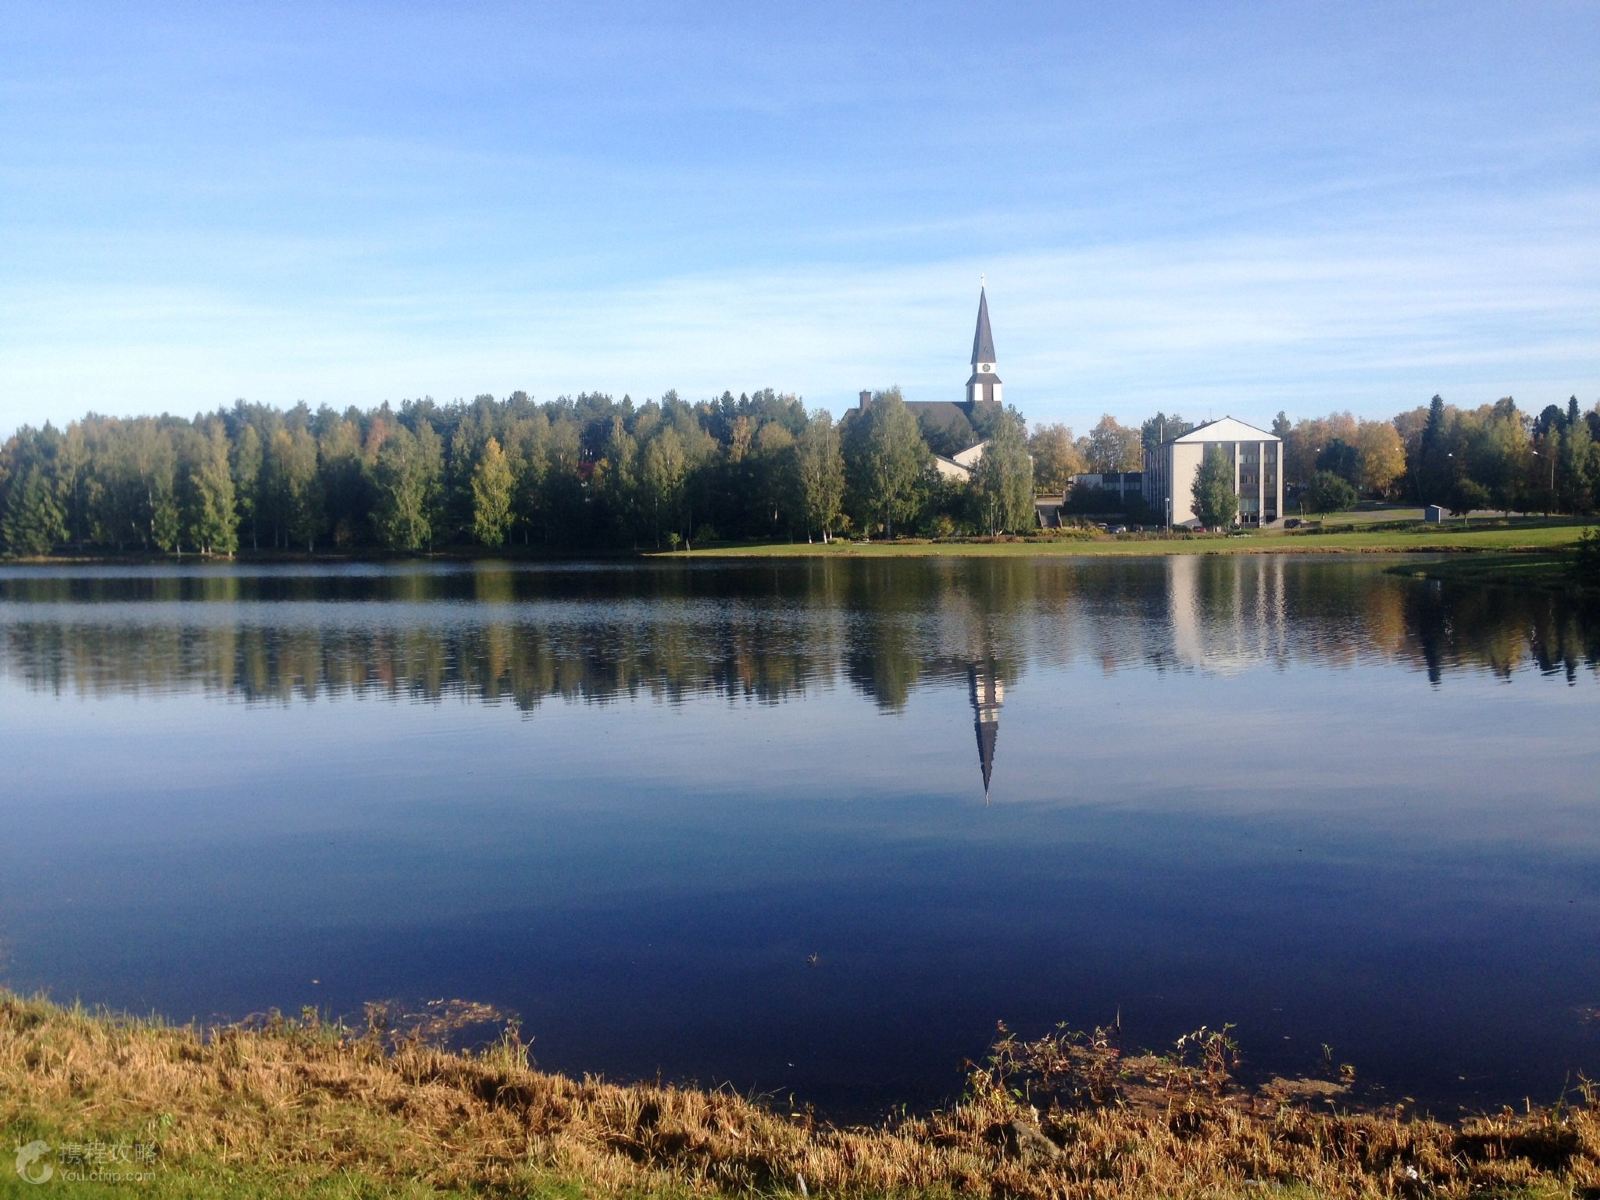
pixel 1433 514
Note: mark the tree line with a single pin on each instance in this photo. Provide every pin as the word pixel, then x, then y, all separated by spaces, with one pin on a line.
pixel 587 472
pixel 591 472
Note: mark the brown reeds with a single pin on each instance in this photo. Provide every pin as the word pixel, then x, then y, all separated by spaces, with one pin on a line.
pixel 1062 1116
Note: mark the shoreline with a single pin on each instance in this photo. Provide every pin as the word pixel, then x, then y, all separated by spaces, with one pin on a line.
pixel 287 1105
pixel 1548 539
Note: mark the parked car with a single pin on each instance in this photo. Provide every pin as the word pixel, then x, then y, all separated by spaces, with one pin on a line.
pixel 1292 523
pixel 1117 529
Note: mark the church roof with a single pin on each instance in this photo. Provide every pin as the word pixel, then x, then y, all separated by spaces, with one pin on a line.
pixel 943 412
pixel 982 338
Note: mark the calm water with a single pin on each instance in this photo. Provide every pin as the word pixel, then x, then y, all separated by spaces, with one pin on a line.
pixel 631 803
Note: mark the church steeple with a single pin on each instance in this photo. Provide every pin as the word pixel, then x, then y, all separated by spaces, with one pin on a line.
pixel 983 337
pixel 984 385
pixel 988 694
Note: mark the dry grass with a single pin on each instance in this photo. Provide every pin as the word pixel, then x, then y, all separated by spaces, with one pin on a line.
pixel 1065 1116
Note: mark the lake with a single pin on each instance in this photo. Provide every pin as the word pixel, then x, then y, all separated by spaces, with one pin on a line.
pixel 813 827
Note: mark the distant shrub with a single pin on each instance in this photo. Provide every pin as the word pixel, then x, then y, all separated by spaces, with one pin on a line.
pixel 1585 564
pixel 1466 495
pixel 1328 493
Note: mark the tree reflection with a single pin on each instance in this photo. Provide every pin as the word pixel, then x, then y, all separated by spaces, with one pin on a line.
pixel 762 634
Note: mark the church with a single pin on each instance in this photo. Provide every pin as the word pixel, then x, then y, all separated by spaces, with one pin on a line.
pixel 957 430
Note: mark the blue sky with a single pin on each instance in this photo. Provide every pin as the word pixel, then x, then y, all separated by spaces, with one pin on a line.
pixel 1206 209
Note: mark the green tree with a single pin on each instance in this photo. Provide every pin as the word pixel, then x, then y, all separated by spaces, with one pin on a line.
pixel 1329 492
pixel 528 454
pixel 298 485
pixel 769 482
pixel 1215 501
pixel 1499 455
pixel 1433 454
pixel 1003 479
pixel 884 456
pixel 247 462
pixel 492 485
pixel 408 476
pixel 74 477
pixel 1341 458
pixel 1585 564
pixel 1465 495
pixel 616 481
pixel 213 519
pixel 818 472
pixel 34 520
pixel 430 464
pixel 663 474
pixel 1574 470
pixel 156 456
pixel 1162 428
pixel 344 478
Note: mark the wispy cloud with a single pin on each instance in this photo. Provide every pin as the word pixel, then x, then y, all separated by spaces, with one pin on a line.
pixel 1176 207
pixel 1372 320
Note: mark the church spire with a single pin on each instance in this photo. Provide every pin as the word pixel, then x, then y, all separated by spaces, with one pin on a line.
pixel 983 386
pixel 982 338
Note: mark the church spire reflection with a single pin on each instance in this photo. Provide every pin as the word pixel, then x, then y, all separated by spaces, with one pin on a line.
pixel 988 694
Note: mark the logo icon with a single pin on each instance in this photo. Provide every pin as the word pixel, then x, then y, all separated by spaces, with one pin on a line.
pixel 30 1165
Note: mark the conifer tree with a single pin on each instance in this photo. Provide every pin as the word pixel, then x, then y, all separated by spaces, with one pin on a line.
pixel 34 521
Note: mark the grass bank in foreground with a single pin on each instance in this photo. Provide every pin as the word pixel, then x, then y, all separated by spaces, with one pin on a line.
pixel 1516 537
pixel 303 1108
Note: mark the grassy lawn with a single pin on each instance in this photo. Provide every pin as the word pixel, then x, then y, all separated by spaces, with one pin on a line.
pixel 1370 514
pixel 1482 534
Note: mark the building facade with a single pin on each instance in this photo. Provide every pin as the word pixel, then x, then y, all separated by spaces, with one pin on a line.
pixel 1254 455
pixel 1121 484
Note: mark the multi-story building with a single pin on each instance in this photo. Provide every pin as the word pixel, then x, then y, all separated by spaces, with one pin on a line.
pixel 1254 455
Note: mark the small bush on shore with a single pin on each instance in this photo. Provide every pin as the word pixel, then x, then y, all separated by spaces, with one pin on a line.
pixel 1585 564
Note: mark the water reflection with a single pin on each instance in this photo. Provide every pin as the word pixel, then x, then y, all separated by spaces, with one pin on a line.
pixel 988 694
pixel 630 801
pixel 500 634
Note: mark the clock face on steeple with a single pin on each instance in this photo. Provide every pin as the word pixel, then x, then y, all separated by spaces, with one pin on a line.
pixel 986 368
